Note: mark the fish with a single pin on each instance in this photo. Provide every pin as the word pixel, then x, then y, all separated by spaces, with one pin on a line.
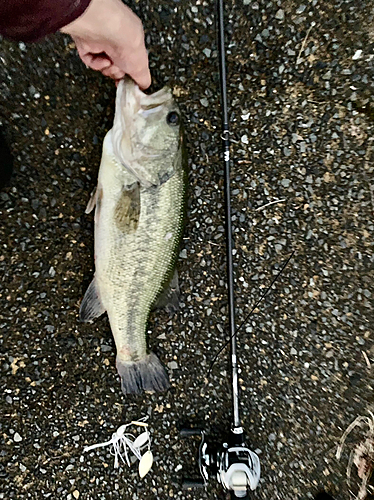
pixel 139 206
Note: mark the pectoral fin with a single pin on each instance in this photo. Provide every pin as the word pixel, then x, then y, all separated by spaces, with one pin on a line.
pixel 127 210
pixel 91 307
pixel 169 298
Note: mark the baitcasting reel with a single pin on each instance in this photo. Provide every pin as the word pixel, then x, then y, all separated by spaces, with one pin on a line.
pixel 234 466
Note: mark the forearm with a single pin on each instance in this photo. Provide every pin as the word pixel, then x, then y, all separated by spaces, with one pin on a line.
pixel 30 20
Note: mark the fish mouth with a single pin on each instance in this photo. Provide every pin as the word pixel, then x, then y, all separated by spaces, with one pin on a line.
pixel 134 108
pixel 132 100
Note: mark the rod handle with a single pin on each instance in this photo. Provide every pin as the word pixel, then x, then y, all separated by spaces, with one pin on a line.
pixel 190 432
pixel 192 483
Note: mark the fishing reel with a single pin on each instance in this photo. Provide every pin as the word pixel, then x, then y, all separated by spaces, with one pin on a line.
pixel 234 466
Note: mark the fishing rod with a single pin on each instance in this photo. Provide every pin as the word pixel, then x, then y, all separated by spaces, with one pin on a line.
pixel 235 466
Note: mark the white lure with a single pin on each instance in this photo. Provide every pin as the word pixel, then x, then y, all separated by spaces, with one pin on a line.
pixel 123 442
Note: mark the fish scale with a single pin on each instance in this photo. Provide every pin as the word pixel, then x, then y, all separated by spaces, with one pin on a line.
pixel 132 285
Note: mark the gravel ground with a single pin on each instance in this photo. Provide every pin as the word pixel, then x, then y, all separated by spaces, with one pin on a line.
pixel 302 111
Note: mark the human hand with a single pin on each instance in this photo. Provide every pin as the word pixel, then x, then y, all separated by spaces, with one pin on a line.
pixel 109 38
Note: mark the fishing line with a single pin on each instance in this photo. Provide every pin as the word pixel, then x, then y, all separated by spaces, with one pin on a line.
pixel 251 311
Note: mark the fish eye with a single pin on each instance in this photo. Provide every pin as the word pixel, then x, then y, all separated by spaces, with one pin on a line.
pixel 172 118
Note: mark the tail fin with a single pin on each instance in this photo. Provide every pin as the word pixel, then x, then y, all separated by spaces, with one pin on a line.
pixel 145 375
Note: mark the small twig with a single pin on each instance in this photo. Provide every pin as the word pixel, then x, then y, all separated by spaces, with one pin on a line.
pixel 298 60
pixel 366 359
pixel 366 166
pixel 362 455
pixel 271 203
pixel 371 187
pixel 348 430
pixel 349 467
pixel 57 457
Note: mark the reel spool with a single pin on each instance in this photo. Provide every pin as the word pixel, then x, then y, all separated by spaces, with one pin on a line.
pixel 231 463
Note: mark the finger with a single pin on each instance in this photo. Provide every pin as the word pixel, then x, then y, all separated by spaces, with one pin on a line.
pixel 135 64
pixel 137 68
pixel 96 62
pixel 99 62
pixel 82 46
pixel 141 77
pixel 114 72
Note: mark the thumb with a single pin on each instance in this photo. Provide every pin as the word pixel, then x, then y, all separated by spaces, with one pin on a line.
pixel 142 77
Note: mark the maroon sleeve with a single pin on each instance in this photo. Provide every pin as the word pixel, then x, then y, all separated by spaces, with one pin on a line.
pixel 30 20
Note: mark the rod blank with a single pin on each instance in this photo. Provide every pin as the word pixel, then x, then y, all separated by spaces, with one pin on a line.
pixel 229 241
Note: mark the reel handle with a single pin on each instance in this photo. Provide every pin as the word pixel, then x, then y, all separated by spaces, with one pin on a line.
pixel 190 432
pixel 192 483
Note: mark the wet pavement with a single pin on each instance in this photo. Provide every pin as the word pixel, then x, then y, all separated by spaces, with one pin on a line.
pixel 302 110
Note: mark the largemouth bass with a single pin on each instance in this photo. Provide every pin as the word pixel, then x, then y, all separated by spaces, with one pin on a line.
pixel 138 224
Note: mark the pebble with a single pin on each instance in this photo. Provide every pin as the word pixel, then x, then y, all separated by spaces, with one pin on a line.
pixel 106 348
pixel 279 15
pixel 17 438
pixel 173 365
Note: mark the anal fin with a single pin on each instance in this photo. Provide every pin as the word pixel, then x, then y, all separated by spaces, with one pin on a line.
pixel 91 307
